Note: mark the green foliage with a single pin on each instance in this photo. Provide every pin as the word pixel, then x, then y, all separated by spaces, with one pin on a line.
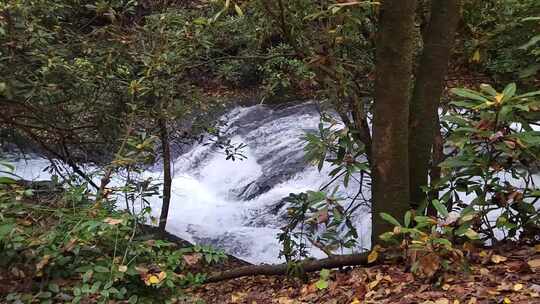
pixel 315 219
pixel 322 283
pixel 321 217
pixel 82 252
pixel 283 75
pixel 427 242
pixel 495 149
pixel 503 37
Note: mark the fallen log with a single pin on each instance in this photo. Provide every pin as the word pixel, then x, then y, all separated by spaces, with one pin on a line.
pixel 281 269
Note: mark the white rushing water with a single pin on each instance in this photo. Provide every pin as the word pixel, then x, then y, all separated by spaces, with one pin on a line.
pixel 232 204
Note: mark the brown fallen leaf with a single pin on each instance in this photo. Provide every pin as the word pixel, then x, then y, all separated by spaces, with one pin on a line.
pixel 192 259
pixel 518 266
pixel 428 265
pixel 498 258
pixel 112 221
pixel 238 297
pixel 41 264
pixel 286 300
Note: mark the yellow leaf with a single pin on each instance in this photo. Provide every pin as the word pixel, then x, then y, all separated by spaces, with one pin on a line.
pixel 518 287
pixel 498 258
pixel 507 301
pixel 476 56
pixel 355 301
pixel 471 234
pixel 499 97
pixel 122 268
pixel 372 257
pixel 238 297
pixel 152 279
pixel 374 284
pixel 42 263
pixel 534 263
pixel 286 300
pixel 238 10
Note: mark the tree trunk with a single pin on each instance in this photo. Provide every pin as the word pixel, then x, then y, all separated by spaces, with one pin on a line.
pixel 282 269
pixel 438 40
pixel 391 113
pixel 167 178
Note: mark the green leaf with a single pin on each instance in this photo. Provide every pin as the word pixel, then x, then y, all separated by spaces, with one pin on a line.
pixel 441 209
pixel 532 42
pixel 325 274
pixel 101 269
pixel 488 89
pixel 133 299
pixel 422 219
pixel 316 196
pixel 386 236
pixel 462 229
pixel 321 284
pixel 407 219
pixel 44 295
pixel 87 275
pixel 457 120
pixel 471 234
pixel 529 71
pixel 7 180
pixel 529 94
pixel 6 229
pixel 509 92
pixel 441 241
pixel 531 19
pixel 9 166
pixel 54 288
pixel 390 219
pixel 469 94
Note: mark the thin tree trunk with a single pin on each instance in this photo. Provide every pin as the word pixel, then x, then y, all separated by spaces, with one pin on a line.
pixel 391 113
pixel 437 157
pixel 167 178
pixel 439 39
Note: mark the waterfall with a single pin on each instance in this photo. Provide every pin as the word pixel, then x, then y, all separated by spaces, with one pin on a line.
pixel 234 205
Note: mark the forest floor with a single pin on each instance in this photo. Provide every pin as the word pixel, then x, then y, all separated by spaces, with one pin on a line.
pixel 507 275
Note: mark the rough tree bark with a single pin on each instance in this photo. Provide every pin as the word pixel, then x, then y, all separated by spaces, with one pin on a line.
pixel 281 269
pixel 391 113
pixel 438 41
pixel 167 175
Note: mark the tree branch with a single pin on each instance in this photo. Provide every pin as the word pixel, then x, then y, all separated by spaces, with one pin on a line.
pixel 282 269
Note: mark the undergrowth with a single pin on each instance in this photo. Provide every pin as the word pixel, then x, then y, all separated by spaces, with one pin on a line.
pixel 57 251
